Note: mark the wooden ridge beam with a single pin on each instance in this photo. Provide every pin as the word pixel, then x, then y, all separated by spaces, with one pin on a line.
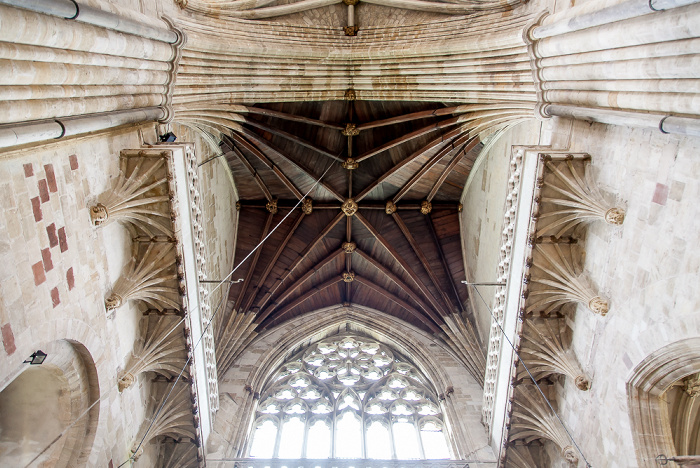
pixel 265 160
pixel 297 301
pixel 442 139
pixel 280 248
pixel 470 145
pixel 423 259
pixel 409 136
pixel 408 307
pixel 294 286
pixel 301 258
pixel 402 262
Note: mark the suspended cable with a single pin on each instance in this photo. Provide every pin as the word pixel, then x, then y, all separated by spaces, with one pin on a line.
pixel 211 320
pixel 588 465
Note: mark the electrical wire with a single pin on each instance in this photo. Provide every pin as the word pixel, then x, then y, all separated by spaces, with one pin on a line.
pixel 211 320
pixel 588 465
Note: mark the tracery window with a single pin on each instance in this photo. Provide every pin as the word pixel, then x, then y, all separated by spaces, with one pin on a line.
pixel 348 397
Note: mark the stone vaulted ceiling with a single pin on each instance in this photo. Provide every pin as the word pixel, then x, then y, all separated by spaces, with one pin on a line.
pixel 383 235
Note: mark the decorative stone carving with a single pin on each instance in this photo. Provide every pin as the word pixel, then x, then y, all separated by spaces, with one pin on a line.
pixel 350 130
pixel 307 206
pixel 271 206
pixel 691 385
pixel 426 207
pixel 351 30
pixel 348 276
pixel 135 197
pixel 125 381
pixel 238 206
pixel 560 284
pixel 460 207
pixel 350 94
pixel 351 2
pixel 349 207
pixel 113 302
pixel 349 247
pixel 576 197
pixel 390 207
pixel 350 164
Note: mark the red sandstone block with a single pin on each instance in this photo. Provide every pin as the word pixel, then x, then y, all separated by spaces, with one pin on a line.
pixel 50 177
pixel 8 339
pixel 73 161
pixel 28 170
pixel 70 278
pixel 62 241
pixel 43 191
pixel 660 194
pixel 51 232
pixel 38 270
pixel 55 299
pixel 36 207
pixel 46 258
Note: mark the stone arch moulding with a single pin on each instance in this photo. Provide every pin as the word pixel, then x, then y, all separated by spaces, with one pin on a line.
pixel 291 336
pixel 651 428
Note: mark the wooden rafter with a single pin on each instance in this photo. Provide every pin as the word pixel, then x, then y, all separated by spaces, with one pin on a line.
pixel 293 118
pixel 297 301
pixel 270 265
pixel 402 262
pixel 408 117
pixel 265 160
pixel 300 259
pixel 392 297
pixel 253 173
pixel 473 141
pixel 423 259
pixel 261 141
pixel 441 140
pixel 295 139
pixel 409 136
pixel 443 260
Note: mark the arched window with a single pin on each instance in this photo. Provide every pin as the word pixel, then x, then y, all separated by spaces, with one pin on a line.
pixel 348 397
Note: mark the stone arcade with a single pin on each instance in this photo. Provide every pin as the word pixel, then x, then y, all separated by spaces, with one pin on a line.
pixel 402 233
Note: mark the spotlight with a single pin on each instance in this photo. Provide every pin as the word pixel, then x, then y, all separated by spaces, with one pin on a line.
pixel 36 358
pixel 168 138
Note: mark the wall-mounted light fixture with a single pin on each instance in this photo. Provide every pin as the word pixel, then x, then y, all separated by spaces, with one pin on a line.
pixel 36 358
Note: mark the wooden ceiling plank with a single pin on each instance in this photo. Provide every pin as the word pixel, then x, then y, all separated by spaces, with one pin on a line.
pixel 301 258
pixel 445 265
pixel 290 290
pixel 470 144
pixel 408 117
pixel 293 118
pixel 409 136
pixel 441 140
pixel 253 173
pixel 297 301
pixel 273 261
pixel 409 308
pixel 404 287
pixel 423 259
pixel 265 160
pixel 295 139
pixel 257 139
pixel 402 262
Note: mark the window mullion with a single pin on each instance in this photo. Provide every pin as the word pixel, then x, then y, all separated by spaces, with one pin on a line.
pixel 391 434
pixel 418 436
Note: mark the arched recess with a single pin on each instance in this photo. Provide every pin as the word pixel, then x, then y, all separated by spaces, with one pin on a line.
pixel 42 401
pixel 427 352
pixel 650 379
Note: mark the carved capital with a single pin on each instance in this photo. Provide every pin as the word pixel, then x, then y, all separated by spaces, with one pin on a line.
pixel 349 207
pixel 691 385
pixel 348 276
pixel 307 206
pixel 598 305
pixel 350 164
pixel 583 383
pixel 98 214
pixel 272 206
pixel 390 207
pixel 349 247
pixel 181 3
pixel 113 302
pixel 350 130
pixel 350 94
pixel 126 381
pixel 426 207
pixel 569 454
pixel 615 216
pixel 137 454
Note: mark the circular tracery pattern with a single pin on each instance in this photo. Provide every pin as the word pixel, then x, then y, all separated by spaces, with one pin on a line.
pixel 355 398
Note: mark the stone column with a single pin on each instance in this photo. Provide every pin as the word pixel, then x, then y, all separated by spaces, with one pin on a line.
pixel 630 63
pixel 67 69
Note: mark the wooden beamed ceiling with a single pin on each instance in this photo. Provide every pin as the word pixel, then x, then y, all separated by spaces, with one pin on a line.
pixel 407 264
